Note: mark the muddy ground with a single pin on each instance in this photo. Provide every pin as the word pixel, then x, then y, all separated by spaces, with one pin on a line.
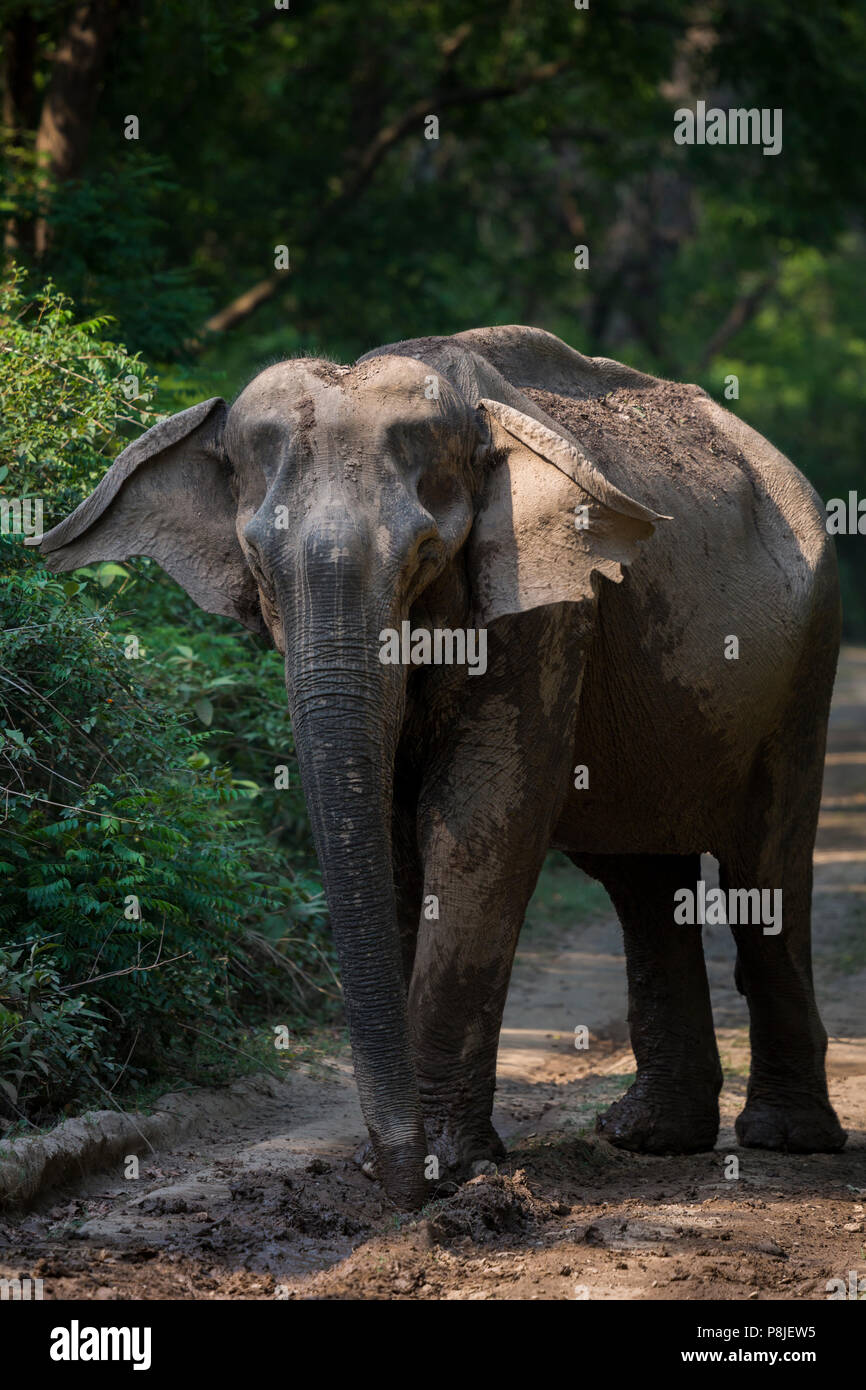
pixel 270 1204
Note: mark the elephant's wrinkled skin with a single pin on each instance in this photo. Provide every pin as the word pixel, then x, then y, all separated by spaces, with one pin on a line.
pixel 611 532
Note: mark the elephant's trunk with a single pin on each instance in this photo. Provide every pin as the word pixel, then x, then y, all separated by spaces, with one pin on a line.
pixel 345 707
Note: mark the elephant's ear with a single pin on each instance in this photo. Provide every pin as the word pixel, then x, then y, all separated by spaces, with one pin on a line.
pixel 548 521
pixel 169 496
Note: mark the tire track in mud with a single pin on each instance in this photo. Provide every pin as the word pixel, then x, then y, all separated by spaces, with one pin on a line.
pixel 276 1209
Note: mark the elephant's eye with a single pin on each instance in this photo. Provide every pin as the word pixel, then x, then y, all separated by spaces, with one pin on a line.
pixel 436 491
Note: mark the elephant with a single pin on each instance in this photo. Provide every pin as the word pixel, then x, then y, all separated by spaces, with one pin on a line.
pixel 660 605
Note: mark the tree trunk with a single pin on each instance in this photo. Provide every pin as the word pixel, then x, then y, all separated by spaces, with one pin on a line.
pixel 73 88
pixel 19 108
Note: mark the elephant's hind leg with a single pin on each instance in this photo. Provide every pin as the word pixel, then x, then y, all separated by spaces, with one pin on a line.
pixel 672 1106
pixel 787 1105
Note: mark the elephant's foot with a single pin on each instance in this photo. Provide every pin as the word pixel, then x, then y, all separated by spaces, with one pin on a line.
pixel 460 1150
pixel 655 1120
pixel 799 1126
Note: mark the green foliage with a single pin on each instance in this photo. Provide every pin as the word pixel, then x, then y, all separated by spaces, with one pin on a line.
pixel 142 841
pixel 237 691
pixel 47 1036
pixel 115 258
pixel 321 146
pixel 67 395
pixel 127 845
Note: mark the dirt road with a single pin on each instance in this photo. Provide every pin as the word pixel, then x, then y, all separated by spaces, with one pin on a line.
pixel 272 1206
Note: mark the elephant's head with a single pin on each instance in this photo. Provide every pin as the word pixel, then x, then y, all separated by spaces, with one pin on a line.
pixel 319 508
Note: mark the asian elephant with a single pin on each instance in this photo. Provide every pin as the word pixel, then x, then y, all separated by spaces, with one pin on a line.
pixel 661 610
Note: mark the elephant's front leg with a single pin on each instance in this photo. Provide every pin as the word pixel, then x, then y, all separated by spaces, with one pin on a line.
pixel 478 886
pixel 486 814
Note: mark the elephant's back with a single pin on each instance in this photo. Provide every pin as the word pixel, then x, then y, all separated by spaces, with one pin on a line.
pixel 737 504
pixel 745 556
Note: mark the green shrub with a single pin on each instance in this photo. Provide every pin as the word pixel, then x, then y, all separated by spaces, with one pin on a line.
pixel 127 846
pixel 47 1035
pixel 142 846
pixel 68 396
